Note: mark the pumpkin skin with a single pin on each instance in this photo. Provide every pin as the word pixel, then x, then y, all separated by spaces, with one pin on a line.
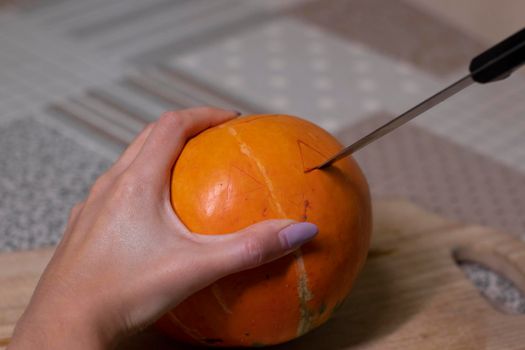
pixel 252 169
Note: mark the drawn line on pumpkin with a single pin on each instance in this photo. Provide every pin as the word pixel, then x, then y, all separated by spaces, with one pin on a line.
pixel 193 333
pixel 306 206
pixel 248 174
pixel 303 291
pixel 230 189
pixel 215 289
pixel 302 147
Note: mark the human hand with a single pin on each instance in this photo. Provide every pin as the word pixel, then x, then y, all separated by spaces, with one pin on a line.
pixel 126 258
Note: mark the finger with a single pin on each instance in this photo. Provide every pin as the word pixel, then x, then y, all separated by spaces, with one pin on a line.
pixel 167 138
pixel 256 245
pixel 131 151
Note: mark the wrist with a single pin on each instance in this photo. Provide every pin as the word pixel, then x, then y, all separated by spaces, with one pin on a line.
pixel 52 327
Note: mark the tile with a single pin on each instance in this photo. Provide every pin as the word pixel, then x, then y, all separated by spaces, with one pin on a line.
pixel 122 18
pixel 487 119
pixel 229 19
pixel 396 29
pixel 287 66
pixel 42 175
pixel 441 175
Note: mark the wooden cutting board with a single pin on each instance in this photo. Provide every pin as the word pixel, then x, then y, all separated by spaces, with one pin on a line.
pixel 410 295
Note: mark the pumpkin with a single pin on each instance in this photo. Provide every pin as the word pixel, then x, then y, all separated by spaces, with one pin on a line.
pixel 251 169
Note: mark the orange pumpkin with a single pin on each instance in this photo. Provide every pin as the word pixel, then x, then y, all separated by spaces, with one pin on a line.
pixel 251 169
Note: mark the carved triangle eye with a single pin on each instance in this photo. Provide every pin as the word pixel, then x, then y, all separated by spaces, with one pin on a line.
pixel 310 156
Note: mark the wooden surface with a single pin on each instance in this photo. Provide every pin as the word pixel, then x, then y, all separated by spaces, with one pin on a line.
pixel 410 295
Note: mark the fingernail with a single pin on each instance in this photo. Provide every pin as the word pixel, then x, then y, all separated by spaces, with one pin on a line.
pixel 296 234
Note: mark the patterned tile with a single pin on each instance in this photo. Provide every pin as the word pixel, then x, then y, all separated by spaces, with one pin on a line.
pixel 488 119
pixel 287 66
pixel 442 176
pixel 43 174
pixel 125 15
pixel 396 29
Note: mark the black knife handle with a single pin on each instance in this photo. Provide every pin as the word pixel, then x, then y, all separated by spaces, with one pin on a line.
pixel 499 61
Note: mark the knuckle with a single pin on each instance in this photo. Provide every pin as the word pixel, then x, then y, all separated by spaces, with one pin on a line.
pixel 253 252
pixel 129 186
pixel 174 122
pixel 172 119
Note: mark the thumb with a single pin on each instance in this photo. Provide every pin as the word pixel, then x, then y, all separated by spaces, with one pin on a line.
pixel 258 244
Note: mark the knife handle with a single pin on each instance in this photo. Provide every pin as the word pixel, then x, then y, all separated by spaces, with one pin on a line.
pixel 499 61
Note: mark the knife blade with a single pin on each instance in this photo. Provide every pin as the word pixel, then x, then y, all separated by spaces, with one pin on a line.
pixel 496 63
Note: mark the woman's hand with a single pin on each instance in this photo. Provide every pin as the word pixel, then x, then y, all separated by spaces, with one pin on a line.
pixel 125 258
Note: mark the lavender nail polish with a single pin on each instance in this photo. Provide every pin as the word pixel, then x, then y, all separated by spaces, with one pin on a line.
pixel 296 234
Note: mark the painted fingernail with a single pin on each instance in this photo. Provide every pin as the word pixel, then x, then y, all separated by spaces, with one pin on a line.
pixel 296 234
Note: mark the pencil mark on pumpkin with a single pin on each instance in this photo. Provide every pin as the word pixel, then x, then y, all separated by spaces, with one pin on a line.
pixel 257 184
pixel 296 199
pixel 248 174
pixel 318 156
pixel 306 206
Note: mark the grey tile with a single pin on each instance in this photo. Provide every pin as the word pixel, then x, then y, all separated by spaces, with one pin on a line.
pixel 42 175
pixel 132 15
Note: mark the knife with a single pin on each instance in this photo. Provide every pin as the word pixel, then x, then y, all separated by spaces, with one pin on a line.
pixel 496 63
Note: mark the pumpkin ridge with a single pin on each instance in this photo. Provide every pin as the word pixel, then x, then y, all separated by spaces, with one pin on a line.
pixel 247 151
pixel 303 291
pixel 217 294
pixel 305 294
